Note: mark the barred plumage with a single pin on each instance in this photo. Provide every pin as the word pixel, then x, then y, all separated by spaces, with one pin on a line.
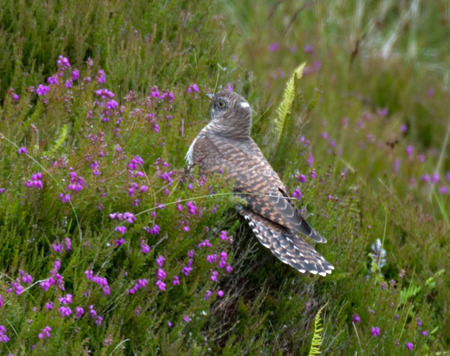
pixel 225 145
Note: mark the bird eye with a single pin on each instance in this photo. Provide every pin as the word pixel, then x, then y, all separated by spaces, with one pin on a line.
pixel 221 103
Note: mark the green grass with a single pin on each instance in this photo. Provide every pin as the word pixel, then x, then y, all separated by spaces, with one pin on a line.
pixel 373 114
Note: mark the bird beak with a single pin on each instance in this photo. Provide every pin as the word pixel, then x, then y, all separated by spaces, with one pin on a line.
pixel 210 96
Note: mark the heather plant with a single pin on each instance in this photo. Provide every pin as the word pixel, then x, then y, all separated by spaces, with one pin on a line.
pixel 111 244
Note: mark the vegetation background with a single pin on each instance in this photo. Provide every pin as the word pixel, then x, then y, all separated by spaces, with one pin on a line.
pixel 109 247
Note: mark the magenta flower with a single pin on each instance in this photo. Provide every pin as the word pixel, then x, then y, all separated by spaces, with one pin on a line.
pixel 120 241
pixel 356 319
pixel 53 80
pixel 160 261
pixel 22 149
pixel 15 97
pixel 223 236
pixel 121 229
pixel 161 285
pixel 75 74
pixel 212 258
pixel 193 88
pixel 3 337
pixel 230 87
pixel 176 280
pixel 144 247
pixel 65 311
pixel 409 346
pixel 49 305
pixel 308 49
pixel 375 331
pixel 186 319
pixel 424 333
pixel 79 311
pixel 67 299
pixel 214 275
pixel 297 194
pixel 64 198
pixel 45 334
pixel 220 293
pixel 101 77
pixel 310 159
pixel 161 274
pixel 63 63
pixel 42 90
pixel 273 47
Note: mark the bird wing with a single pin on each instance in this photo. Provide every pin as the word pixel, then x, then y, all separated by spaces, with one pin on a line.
pixel 254 178
pixel 286 245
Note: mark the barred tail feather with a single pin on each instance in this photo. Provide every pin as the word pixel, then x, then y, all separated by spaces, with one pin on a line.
pixel 286 245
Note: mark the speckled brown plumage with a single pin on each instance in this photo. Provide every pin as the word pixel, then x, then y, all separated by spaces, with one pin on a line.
pixel 225 145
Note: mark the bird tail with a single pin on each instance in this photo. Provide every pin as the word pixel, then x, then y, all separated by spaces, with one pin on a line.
pixel 286 245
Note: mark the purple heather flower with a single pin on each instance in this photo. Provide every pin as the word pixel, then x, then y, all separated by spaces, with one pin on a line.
pixel 121 229
pixel 3 337
pixel 186 319
pixel 22 149
pixel 308 49
pixel 42 90
pixel 67 299
pixel 382 112
pixel 223 236
pixel 64 199
pixel 161 274
pixel 98 320
pixel 63 62
pixel 2 190
pixel 65 311
pixel 161 285
pixel 297 194
pixel 120 241
pixel 191 253
pixel 154 230
pixel 302 178
pixel 430 92
pixel 160 260
pixel 193 88
pixel 273 47
pixel 313 174
pixel 435 178
pixel 45 334
pixel 424 333
pixel 53 80
pixel 409 346
pixel 176 280
pixel 404 128
pixel 375 331
pixel 169 324
pixel 14 96
pixel 75 74
pixel 101 77
pixel 409 150
pixel 214 275
pixel 230 87
pixel 356 319
pixel 49 305
pixel 310 160
pixel 144 247
pixel 443 190
pixel 220 293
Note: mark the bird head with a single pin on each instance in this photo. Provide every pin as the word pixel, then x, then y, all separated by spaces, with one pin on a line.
pixel 230 114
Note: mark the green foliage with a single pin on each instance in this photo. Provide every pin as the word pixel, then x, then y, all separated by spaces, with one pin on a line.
pixel 286 103
pixel 373 115
pixel 317 336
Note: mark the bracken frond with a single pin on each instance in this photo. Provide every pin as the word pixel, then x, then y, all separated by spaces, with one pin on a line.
pixel 286 103
pixel 317 336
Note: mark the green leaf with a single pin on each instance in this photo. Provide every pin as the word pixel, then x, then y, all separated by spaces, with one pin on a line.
pixel 286 103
